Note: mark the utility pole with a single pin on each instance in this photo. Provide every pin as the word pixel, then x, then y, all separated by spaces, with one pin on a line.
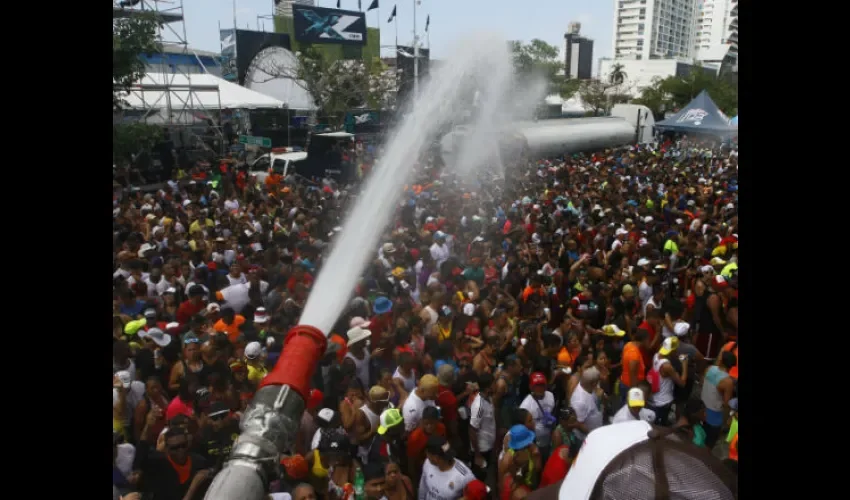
pixel 415 55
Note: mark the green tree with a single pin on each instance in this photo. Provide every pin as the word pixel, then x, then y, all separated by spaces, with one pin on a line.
pixel 675 92
pixel 617 75
pixel 131 38
pixel 539 59
pixel 596 95
pixel 129 139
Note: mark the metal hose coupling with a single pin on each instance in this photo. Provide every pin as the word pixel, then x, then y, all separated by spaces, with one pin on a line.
pixel 267 428
pixel 270 423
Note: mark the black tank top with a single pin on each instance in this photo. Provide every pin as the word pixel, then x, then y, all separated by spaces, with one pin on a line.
pixel 702 315
pixel 202 374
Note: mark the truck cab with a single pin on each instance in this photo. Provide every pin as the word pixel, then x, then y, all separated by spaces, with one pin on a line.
pixel 281 160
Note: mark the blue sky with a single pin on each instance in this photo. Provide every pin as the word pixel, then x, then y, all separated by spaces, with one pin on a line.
pixel 450 20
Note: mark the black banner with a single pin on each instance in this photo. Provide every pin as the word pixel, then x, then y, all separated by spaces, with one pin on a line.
pixel 404 62
pixel 250 43
pixel 320 25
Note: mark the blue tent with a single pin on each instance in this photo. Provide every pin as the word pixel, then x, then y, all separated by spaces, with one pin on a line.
pixel 700 116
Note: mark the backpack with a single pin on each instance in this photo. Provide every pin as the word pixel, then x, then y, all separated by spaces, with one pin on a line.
pixel 653 376
pixel 654 379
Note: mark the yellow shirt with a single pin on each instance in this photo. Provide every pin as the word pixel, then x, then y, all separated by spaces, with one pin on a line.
pixel 196 226
pixel 256 374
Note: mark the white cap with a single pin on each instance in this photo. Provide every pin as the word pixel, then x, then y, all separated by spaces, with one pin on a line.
pixel 681 328
pixel 635 398
pixel 469 309
pixel 326 414
pixel 620 232
pixel 253 350
pixel 213 308
pixel 643 261
pixel 648 219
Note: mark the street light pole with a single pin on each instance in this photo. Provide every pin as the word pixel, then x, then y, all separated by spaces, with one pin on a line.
pixel 415 55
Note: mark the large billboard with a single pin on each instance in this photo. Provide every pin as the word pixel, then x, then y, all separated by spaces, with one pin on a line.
pixel 239 47
pixel 320 25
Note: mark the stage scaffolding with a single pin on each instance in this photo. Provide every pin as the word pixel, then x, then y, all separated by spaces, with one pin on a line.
pixel 174 101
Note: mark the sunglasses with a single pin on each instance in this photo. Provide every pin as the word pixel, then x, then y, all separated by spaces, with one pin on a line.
pixel 191 341
pixel 181 446
pixel 218 418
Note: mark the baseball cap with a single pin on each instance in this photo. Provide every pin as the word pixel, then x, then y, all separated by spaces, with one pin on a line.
pixel 218 408
pixel 613 330
pixel 326 415
pixel 681 329
pixel 623 460
pixel 537 378
pixel 635 398
pixel 378 394
pixel 389 418
pixel 476 490
pixel 669 345
pixel 314 399
pixel 150 313
pixel 253 350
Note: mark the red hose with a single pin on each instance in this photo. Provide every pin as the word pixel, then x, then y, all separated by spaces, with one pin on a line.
pixel 303 347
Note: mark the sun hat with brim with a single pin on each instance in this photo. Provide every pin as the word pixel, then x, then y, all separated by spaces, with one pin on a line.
pixel 158 337
pixel 521 437
pixel 358 321
pixel 389 419
pixel 357 334
pixel 613 331
pixel 382 305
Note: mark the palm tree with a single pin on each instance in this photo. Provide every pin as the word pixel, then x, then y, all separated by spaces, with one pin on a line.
pixel 617 76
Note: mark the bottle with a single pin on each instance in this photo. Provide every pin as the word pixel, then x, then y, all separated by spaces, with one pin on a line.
pixel 359 482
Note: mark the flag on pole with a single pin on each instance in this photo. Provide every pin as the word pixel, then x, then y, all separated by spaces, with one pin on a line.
pixel 427 22
pixel 337 3
pixel 392 15
pixel 373 5
pixel 360 5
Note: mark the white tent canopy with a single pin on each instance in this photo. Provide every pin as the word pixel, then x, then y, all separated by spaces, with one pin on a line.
pixel 149 93
pixel 272 72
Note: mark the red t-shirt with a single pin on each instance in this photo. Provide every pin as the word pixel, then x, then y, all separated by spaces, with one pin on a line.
pixel 556 468
pixel 647 356
pixel 188 309
pixel 447 402
pixel 379 324
pixel 418 439
pixel 307 279
pixel 178 407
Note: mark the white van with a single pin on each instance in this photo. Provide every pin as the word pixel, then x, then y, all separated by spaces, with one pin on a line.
pixel 281 160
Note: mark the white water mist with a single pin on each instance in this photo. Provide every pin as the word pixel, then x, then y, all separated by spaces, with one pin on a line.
pixel 483 60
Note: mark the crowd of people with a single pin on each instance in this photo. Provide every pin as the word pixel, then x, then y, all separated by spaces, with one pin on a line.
pixel 498 325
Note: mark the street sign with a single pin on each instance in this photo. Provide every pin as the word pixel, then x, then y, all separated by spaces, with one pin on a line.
pixel 264 142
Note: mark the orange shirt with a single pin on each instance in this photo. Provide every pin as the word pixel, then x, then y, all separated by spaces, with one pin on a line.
pixel 273 179
pixel 632 352
pixel 733 372
pixel 418 439
pixel 232 330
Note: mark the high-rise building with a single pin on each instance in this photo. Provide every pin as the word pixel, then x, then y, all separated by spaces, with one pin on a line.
pixel 654 29
pixel 284 7
pixel 578 54
pixel 712 26
pixel 732 39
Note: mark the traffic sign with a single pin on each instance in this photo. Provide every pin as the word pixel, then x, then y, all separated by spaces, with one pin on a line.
pixel 252 140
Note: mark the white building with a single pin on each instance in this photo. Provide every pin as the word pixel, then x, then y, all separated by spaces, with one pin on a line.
pixel 641 73
pixel 712 28
pixel 284 7
pixel 654 29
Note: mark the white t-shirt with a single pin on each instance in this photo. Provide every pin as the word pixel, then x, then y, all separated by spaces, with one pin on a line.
pixel 587 411
pixel 412 410
pixel 624 415
pixel 135 394
pixel 438 485
pixel 483 419
pixel 664 396
pixel 439 253
pixel 543 433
